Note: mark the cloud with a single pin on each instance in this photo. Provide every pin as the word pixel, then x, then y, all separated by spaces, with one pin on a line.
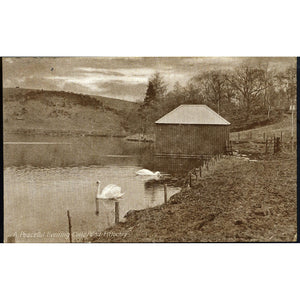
pixel 121 77
pixel 121 90
pixel 99 71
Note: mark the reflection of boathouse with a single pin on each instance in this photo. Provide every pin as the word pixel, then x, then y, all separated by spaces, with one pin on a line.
pixel 191 131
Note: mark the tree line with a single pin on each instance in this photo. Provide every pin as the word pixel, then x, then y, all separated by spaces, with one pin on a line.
pixel 246 96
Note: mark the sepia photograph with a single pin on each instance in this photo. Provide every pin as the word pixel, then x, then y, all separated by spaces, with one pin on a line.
pixel 150 149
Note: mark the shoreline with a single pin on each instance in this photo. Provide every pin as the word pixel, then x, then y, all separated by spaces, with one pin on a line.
pixel 60 133
pixel 237 200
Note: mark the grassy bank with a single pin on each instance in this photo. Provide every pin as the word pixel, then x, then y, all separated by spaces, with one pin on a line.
pixel 242 201
pixel 28 111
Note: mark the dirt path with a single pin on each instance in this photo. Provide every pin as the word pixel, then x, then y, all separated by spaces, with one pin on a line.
pixel 242 201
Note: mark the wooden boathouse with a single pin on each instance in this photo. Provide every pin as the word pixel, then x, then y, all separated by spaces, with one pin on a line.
pixel 191 131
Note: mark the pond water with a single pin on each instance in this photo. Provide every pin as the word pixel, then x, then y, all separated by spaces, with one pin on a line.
pixel 46 176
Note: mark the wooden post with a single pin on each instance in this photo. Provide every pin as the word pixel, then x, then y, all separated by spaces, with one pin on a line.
pixel 264 136
pixel 70 225
pixel 116 212
pixel 238 137
pixel 281 136
pixel 165 193
pixel 97 207
pixel 266 146
pixel 274 146
pixel 207 166
pixel 278 145
pixel 200 171
pixel 197 174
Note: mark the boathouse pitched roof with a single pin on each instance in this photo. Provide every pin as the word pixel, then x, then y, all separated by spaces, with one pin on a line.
pixel 192 114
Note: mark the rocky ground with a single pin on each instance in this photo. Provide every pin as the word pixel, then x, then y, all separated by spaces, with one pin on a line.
pixel 237 200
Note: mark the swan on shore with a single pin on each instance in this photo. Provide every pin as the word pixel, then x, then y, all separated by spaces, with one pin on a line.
pixel 145 172
pixel 111 192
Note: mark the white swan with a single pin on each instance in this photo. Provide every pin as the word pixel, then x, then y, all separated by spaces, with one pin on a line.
pixel 145 172
pixel 111 191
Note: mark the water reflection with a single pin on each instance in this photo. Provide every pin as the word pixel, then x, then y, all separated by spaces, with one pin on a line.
pixel 71 151
pixel 43 181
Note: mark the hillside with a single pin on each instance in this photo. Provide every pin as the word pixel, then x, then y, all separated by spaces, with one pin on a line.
pixel 58 112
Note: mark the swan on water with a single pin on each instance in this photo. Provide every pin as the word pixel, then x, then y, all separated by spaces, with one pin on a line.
pixel 111 191
pixel 145 172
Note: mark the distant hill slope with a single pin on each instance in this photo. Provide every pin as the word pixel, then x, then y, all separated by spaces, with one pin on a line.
pixel 58 112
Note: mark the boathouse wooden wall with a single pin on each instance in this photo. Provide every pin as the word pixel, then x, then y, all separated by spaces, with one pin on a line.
pixel 181 139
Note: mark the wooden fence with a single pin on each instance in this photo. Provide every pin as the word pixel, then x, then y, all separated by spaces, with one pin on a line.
pixel 273 141
pixel 273 145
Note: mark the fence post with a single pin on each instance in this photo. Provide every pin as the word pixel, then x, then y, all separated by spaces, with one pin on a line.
pixel 266 146
pixel 97 207
pixel 238 137
pixel 264 136
pixel 281 136
pixel 70 225
pixel 165 193
pixel 197 174
pixel 274 144
pixel 116 212
pixel 278 144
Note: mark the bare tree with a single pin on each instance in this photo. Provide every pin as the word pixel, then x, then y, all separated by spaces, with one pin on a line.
pixel 212 87
pixel 268 93
pixel 248 83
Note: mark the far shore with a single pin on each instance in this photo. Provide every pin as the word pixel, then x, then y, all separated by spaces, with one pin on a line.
pixel 62 133
pixel 147 138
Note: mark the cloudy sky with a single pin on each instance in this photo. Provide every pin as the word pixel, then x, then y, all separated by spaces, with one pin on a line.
pixel 118 77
